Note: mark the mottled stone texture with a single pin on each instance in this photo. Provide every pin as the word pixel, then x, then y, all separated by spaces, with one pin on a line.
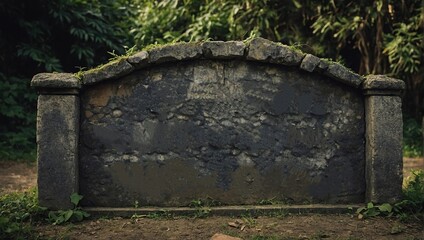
pixel 235 131
pixel 57 141
pixel 383 138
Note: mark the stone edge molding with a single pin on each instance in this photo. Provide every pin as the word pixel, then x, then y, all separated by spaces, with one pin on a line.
pixel 58 106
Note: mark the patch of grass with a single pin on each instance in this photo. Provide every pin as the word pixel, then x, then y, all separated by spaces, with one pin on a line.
pixel 18 211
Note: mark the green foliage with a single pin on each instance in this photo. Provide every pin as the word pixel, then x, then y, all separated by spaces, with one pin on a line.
pixel 17 212
pixel 405 47
pixel 382 36
pixel 17 119
pixel 175 20
pixel 412 138
pixel 71 215
pixel 50 36
pixel 412 205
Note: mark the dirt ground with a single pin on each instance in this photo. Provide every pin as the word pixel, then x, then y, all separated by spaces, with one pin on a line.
pixel 21 176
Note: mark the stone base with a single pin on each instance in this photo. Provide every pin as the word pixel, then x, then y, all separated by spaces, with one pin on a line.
pixel 252 210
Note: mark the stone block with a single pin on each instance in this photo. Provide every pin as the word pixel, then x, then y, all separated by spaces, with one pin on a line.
pixel 139 59
pixel 261 49
pixel 179 51
pixel 108 71
pixel 383 148
pixel 223 50
pixel 322 66
pixel 309 62
pixel 383 84
pixel 57 151
pixel 343 74
pixel 55 80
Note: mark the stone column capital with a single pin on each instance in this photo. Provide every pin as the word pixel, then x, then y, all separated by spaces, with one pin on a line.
pixel 56 83
pixel 382 85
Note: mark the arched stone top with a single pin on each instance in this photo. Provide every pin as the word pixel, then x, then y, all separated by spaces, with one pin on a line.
pixel 258 49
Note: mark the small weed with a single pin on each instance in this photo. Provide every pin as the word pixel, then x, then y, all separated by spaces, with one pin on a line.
pixel 203 206
pixel 206 202
pixel 136 204
pixel 71 215
pixel 249 221
pixel 202 212
pixel 372 210
pixel 128 52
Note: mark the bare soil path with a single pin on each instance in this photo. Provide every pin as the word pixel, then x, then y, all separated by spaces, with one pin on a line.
pixel 21 176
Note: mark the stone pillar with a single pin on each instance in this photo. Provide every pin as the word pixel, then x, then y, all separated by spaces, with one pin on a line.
pixel 383 116
pixel 57 138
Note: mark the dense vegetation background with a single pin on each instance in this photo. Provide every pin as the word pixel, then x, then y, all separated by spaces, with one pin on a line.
pixel 371 37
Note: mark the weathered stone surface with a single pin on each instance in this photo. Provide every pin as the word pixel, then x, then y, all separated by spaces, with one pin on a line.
pixel 343 74
pixel 179 51
pixel 55 80
pixel 261 49
pixel 140 59
pixel 382 82
pixel 383 148
pixel 309 62
pixel 223 50
pixel 108 71
pixel 57 152
pixel 235 131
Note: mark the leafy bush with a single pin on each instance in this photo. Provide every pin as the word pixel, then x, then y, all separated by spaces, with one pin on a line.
pixel 412 205
pixel 413 202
